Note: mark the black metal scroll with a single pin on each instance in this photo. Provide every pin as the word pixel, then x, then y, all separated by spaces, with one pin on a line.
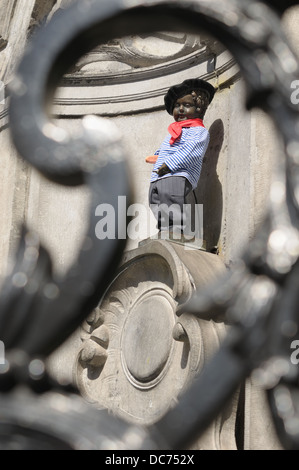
pixel 259 297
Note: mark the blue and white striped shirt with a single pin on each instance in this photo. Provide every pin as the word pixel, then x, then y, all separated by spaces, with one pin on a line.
pixel 185 156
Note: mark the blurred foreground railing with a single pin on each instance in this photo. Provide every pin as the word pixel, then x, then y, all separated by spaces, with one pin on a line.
pixel 259 297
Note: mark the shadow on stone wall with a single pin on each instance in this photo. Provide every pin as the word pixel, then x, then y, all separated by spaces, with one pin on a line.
pixel 209 189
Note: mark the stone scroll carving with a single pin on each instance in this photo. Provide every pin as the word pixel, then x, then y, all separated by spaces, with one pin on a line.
pixel 149 50
pixel 140 350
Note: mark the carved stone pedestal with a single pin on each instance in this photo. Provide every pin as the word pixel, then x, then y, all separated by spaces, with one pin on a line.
pixel 140 350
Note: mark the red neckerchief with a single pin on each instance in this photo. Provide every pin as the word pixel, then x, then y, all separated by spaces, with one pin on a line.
pixel 175 129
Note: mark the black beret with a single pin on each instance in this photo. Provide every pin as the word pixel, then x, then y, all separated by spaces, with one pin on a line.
pixel 186 88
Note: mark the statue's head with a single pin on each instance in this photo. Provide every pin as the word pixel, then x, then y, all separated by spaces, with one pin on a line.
pixel 195 93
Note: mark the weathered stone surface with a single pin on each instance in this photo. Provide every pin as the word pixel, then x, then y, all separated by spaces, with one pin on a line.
pixel 233 189
pixel 153 354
